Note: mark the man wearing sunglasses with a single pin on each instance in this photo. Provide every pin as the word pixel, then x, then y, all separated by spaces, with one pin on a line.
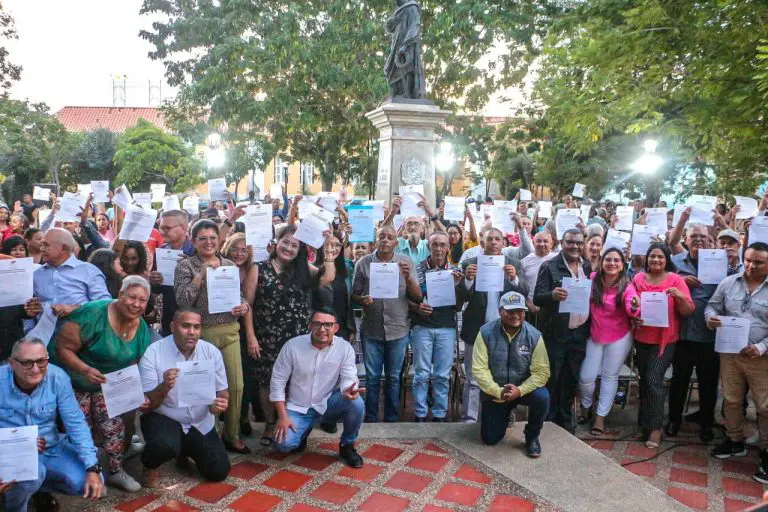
pixel 319 372
pixel 35 393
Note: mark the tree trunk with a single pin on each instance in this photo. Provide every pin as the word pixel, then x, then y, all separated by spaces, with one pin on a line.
pixel 328 174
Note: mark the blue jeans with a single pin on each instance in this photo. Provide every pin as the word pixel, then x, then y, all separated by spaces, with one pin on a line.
pixel 59 470
pixel 432 356
pixel 350 411
pixel 494 416
pixel 389 355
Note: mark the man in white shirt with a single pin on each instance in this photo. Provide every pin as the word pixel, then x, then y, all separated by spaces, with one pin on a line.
pixel 320 374
pixel 173 430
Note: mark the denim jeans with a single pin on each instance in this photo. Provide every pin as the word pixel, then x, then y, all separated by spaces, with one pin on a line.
pixel 388 355
pixel 59 470
pixel 494 416
pixel 350 411
pixel 432 356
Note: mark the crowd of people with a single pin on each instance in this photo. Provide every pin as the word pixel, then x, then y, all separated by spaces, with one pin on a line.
pixel 288 353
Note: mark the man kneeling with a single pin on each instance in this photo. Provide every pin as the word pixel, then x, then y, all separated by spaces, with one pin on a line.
pixel 173 430
pixel 510 364
pixel 311 366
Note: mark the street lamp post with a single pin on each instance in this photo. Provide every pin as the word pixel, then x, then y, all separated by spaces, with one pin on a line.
pixel 647 165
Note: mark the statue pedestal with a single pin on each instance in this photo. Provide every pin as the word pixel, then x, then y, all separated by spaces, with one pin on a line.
pixel 406 146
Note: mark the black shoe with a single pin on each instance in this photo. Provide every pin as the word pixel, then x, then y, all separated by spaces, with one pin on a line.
pixel 416 419
pixel 762 468
pixel 230 447
pixel 349 455
pixel 672 429
pixel 45 502
pixel 729 449
pixel 246 429
pixel 533 448
pixel 694 417
pixel 331 428
pixel 707 434
pixel 438 420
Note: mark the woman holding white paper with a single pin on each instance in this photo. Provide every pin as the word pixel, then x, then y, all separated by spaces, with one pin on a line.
pixel 655 346
pixel 220 329
pixel 12 317
pixel 281 304
pixel 612 305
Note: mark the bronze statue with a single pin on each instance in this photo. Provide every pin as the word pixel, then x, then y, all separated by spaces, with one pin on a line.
pixel 404 68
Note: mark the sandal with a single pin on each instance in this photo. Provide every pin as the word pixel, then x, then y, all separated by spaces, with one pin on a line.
pixel 597 431
pixel 267 440
pixel 584 415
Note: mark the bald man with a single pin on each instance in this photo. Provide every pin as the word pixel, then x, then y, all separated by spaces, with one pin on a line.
pixel 65 281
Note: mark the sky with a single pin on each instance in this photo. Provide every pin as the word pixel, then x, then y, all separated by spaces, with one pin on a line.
pixel 71 50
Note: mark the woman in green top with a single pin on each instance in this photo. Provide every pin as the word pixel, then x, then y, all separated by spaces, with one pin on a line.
pixel 101 337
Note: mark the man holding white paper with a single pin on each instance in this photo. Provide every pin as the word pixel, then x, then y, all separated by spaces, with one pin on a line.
pixel 744 296
pixel 412 244
pixel 433 328
pixel 172 429
pixel 37 393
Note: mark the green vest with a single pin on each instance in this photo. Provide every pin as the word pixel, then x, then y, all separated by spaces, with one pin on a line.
pixel 509 362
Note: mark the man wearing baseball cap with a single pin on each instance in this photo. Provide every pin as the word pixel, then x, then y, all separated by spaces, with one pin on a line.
pixel 730 240
pixel 511 367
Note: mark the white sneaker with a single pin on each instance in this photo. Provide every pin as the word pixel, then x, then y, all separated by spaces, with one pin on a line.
pixel 754 439
pixel 133 450
pixel 124 481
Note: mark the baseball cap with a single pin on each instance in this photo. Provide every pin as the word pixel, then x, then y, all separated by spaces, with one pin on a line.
pixel 512 300
pixel 730 234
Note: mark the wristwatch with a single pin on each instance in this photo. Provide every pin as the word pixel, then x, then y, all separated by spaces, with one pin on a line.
pixel 96 468
pixel 227 222
pixel 434 218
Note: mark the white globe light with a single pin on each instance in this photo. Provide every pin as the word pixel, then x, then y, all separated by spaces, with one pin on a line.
pixel 649 163
pixel 445 158
pixel 650 145
pixel 215 158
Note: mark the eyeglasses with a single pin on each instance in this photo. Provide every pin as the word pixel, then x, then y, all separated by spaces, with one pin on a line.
pixel 573 242
pixel 27 365
pixel 322 325
pixel 165 229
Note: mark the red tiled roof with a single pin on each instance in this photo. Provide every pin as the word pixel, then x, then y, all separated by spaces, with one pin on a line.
pixel 115 119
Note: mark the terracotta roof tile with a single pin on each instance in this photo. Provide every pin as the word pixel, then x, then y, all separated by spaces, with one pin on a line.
pixel 115 119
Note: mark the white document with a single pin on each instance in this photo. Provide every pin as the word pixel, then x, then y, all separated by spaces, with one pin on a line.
pixel 454 208
pixel 41 194
pixel 311 209
pixel 758 229
pixel 143 199
pixel 192 204
pixel 579 190
pixel 617 239
pixel 441 290
pixel 171 203
pixel 328 201
pixel 217 189
pixel 158 192
pixel 18 454
pixel 378 209
pixel 258 229
pixel 100 191
pixel 490 273
pixel 656 218
pixel 525 195
pixel 17 281
pixel 585 209
pixel 311 231
pixel 579 291
pixel 275 191
pixel 567 218
pixel 196 382
pixel 70 207
pixel 138 224
pixel 223 288
pixel 701 210
pixel 166 260
pixel 624 217
pixel 84 189
pixel 748 207
pixel 641 239
pixel 501 215
pixel 384 281
pixel 486 210
pixel 46 324
pixel 654 309
pixel 733 336
pixel 122 197
pixel 410 200
pixel 122 391
pixel 545 209
pixel 43 214
pixel 362 223
pixel 398 221
pixel 713 265
pixel 679 209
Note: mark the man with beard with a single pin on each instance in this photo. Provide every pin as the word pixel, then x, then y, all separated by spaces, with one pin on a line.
pixel 414 245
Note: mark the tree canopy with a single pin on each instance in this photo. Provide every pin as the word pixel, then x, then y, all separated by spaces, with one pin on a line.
pixel 305 72
pixel 9 72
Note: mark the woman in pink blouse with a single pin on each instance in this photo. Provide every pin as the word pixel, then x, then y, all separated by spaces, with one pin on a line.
pixel 614 302
pixel 655 346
